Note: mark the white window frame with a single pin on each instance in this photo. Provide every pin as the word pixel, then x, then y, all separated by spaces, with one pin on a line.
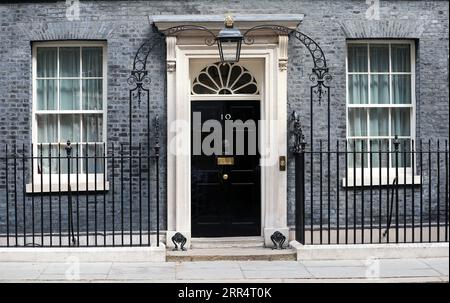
pixel 94 181
pixel 385 171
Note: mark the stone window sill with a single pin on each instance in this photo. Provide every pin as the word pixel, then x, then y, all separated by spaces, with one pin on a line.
pixel 366 181
pixel 93 185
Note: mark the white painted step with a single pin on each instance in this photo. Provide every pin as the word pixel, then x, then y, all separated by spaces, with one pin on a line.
pixel 232 254
pixel 227 242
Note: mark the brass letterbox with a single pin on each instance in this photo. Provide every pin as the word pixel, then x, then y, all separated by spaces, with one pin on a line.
pixel 225 161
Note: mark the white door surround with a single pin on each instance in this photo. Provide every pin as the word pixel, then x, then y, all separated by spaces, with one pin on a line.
pixel 266 59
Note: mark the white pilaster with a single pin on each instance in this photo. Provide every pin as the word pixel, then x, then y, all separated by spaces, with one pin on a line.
pixel 171 43
pixel 276 209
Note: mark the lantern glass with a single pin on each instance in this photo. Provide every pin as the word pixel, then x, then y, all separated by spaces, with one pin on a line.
pixel 229 50
pixel 229 42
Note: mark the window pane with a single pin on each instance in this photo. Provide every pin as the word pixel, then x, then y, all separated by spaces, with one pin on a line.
pixel 70 128
pixel 401 86
pixel 47 151
pixel 47 128
pixel 94 164
pixel 401 122
pixel 92 128
pixel 92 61
pixel 92 94
pixel 404 154
pixel 69 94
pixel 46 93
pixel 355 154
pixel 46 61
pixel 378 149
pixel 200 89
pixel 357 122
pixel 357 58
pixel 379 122
pixel 357 88
pixel 69 62
pixel 379 89
pixel 379 58
pixel 73 162
pixel 401 58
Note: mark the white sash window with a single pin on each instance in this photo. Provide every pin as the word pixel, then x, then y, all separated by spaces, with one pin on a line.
pixel 69 103
pixel 380 106
pixel 380 99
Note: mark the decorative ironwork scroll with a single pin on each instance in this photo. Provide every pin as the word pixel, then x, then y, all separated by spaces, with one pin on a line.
pixel 139 92
pixel 172 31
pixel 278 240
pixel 320 72
pixel 179 241
pixel 139 81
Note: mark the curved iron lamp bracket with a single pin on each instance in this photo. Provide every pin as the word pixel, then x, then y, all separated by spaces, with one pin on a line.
pixel 138 79
pixel 172 31
pixel 320 71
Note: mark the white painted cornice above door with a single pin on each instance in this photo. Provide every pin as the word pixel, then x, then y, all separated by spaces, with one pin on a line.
pixel 215 22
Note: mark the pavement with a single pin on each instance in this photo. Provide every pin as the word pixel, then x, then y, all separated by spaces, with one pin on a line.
pixel 371 270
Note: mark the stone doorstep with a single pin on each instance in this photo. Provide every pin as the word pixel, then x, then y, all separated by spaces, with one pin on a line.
pixel 370 251
pixel 231 254
pixel 227 242
pixel 90 254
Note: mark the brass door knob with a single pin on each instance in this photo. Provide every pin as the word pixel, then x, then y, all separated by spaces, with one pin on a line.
pixel 225 177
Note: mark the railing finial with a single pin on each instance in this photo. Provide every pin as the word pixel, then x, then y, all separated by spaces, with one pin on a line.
pixel 396 142
pixel 68 148
pixel 299 137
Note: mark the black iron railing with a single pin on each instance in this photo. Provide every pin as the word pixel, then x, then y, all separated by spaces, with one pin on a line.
pixel 371 195
pixel 344 195
pixel 79 195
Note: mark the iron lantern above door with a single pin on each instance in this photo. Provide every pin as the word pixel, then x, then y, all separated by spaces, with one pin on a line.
pixel 229 41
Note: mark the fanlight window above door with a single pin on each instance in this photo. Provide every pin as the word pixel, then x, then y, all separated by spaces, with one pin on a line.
pixel 224 79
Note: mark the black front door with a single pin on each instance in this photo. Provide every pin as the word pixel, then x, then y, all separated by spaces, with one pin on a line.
pixel 225 170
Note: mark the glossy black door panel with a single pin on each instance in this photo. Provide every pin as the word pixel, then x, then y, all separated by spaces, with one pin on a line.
pixel 226 198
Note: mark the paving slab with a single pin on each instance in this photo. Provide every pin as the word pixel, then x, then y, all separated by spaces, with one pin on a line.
pixel 280 274
pixel 401 264
pixel 368 280
pixel 142 271
pixel 334 263
pixel 74 278
pixel 82 268
pixel 76 271
pixel 396 273
pixel 271 266
pixel 204 271
pixel 217 265
pixel 333 272
pixel 439 264
pixel 274 270
pixel 21 270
